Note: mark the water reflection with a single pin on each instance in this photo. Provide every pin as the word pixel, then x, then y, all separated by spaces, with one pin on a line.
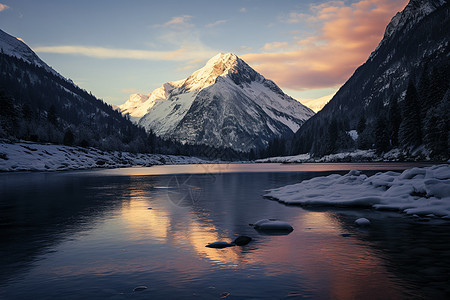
pixel 83 236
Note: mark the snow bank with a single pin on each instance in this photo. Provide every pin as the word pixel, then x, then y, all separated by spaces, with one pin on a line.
pixel 357 155
pixel 27 156
pixel 420 191
pixel 286 159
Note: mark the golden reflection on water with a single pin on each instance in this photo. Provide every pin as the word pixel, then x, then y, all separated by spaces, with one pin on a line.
pixel 142 223
pixel 252 167
pixel 316 247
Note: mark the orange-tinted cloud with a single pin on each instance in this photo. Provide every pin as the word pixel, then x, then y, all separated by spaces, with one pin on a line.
pixel 3 7
pixel 346 36
pixel 275 46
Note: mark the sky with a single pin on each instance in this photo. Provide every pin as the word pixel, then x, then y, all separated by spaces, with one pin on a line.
pixel 116 48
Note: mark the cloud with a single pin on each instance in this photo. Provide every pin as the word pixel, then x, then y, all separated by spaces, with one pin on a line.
pixel 181 54
pixel 243 10
pixel 3 7
pixel 216 23
pixel 345 36
pixel 245 48
pixel 179 22
pixel 176 42
pixel 275 46
pixel 294 17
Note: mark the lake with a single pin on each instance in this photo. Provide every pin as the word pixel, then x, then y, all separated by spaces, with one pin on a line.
pixel 99 234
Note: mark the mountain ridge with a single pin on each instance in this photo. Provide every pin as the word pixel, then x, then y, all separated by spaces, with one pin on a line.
pixel 415 47
pixel 13 46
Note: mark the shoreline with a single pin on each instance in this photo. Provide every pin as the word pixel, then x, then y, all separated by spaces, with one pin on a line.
pixel 27 156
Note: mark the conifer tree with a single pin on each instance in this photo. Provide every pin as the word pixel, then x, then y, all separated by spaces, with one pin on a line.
pixel 394 120
pixel 410 133
pixel 381 135
pixel 361 124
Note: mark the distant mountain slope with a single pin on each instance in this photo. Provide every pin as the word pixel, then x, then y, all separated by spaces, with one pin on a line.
pixel 224 104
pixel 15 47
pixel 414 52
pixel 318 103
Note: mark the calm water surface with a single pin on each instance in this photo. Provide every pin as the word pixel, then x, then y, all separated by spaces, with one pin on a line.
pixel 99 234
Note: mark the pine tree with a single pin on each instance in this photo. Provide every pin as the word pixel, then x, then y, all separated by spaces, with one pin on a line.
pixel 436 129
pixel 69 138
pixel 361 124
pixel 8 115
pixel 381 135
pixel 394 121
pixel 51 115
pixel 410 129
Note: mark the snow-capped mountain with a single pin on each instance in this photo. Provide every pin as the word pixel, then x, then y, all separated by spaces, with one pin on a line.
pixel 415 49
pixel 224 104
pixel 13 46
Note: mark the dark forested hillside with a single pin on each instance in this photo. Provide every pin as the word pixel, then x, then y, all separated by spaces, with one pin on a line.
pixel 41 106
pixel 399 97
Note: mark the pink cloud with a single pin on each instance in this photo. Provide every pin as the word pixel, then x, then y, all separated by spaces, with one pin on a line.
pixel 346 36
pixel 3 7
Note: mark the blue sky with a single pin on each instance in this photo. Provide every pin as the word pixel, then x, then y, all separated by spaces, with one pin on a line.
pixel 114 48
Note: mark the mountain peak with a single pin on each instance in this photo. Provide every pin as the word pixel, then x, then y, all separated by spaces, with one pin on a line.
pixel 222 65
pixel 227 60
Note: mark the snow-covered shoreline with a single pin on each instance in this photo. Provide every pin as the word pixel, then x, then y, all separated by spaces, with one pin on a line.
pixel 28 156
pixel 395 155
pixel 416 191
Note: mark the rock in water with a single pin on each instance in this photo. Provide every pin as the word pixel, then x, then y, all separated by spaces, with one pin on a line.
pixel 274 226
pixel 139 288
pixel 362 222
pixel 242 240
pixel 219 244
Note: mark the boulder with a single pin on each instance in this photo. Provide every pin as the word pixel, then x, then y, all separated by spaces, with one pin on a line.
pixel 273 226
pixel 242 240
pixel 362 222
pixel 219 244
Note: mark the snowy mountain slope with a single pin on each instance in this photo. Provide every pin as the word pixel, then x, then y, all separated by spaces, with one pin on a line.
pixel 318 103
pixel 224 104
pixel 415 11
pixel 415 46
pixel 12 46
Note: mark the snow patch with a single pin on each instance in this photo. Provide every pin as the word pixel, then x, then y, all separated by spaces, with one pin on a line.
pixel 26 156
pixel 420 191
pixel 353 134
